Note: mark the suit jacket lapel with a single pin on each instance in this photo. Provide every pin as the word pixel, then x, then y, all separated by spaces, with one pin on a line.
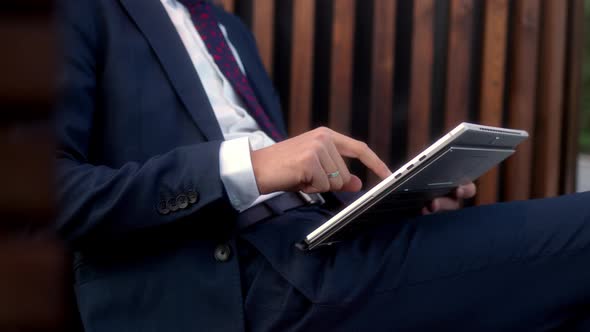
pixel 256 73
pixel 153 21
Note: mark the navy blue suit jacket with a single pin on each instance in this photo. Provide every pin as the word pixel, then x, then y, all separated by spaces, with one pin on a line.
pixel 136 133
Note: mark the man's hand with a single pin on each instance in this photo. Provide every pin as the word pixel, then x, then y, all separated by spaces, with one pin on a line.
pixel 451 203
pixel 305 162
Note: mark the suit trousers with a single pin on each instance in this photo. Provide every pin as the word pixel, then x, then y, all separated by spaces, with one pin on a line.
pixel 519 266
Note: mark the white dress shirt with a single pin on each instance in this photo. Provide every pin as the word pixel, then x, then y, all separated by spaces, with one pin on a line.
pixel 240 130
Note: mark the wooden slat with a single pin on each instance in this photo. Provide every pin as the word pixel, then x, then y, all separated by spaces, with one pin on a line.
pixel 301 66
pixel 421 76
pixel 341 71
pixel 32 266
pixel 574 90
pixel 459 62
pixel 263 13
pixel 32 285
pixel 382 70
pixel 550 99
pixel 493 83
pixel 522 94
pixel 26 77
pixel 228 5
pixel 26 174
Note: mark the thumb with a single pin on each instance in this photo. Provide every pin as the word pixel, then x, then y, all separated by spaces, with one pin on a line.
pixel 353 185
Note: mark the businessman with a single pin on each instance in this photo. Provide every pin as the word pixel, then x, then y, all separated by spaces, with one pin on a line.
pixel 179 194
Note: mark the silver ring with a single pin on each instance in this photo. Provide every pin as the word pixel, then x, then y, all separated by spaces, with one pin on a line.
pixel 333 175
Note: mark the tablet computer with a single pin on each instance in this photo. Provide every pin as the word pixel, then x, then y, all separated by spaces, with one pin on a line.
pixel 461 156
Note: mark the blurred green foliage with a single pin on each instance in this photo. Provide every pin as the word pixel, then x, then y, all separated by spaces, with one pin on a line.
pixel 585 119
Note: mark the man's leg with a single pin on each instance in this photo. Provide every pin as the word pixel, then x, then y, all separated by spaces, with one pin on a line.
pixel 580 323
pixel 520 266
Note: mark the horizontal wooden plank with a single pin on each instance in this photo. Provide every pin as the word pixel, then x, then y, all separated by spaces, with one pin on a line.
pixel 26 173
pixel 32 285
pixel 28 61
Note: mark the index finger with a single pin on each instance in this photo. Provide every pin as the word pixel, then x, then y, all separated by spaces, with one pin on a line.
pixel 352 148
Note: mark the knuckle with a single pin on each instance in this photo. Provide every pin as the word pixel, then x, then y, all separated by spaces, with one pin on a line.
pixel 336 183
pixel 323 134
pixel 345 177
pixel 323 138
pixel 309 154
pixel 317 146
pixel 363 149
pixel 307 161
pixel 310 163
pixel 344 173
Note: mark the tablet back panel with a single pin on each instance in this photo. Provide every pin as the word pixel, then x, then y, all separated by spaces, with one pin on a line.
pixel 445 170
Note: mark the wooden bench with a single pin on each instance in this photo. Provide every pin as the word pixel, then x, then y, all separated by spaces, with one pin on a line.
pixel 398 73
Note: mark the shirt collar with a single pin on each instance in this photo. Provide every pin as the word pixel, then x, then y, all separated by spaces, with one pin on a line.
pixel 172 3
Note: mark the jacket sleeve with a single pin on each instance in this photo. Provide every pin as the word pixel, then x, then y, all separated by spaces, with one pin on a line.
pixel 103 202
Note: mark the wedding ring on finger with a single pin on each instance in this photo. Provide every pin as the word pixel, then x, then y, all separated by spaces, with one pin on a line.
pixel 333 175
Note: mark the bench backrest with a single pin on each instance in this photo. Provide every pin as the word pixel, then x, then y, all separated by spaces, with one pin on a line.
pixel 398 73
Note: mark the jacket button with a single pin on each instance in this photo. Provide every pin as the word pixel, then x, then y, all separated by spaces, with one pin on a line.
pixel 182 201
pixel 163 208
pixel 193 197
pixel 172 206
pixel 222 253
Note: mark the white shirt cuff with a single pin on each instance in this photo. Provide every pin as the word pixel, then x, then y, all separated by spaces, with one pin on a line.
pixel 237 173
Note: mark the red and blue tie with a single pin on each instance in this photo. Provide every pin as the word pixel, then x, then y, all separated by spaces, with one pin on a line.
pixel 206 24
